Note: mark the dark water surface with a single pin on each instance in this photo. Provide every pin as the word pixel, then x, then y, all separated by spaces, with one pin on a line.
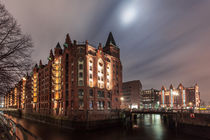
pixel 147 127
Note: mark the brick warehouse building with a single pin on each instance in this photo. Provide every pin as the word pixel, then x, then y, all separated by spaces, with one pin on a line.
pixel 181 97
pixel 79 82
pixel 131 94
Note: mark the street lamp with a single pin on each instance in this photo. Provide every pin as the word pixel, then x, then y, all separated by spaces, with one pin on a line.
pixel 190 103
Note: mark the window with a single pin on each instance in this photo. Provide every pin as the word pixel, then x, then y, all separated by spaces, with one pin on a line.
pixel 90 73
pixel 80 66
pixel 80 92
pixel 91 76
pixel 109 95
pixel 80 83
pixel 100 93
pixel 81 74
pixel 81 104
pixel 80 50
pixel 91 68
pixel 100 73
pixel 91 104
pixel 91 92
pixel 72 104
pixel 100 105
pixel 109 104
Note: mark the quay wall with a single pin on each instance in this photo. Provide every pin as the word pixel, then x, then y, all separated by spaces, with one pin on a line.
pixel 189 123
pixel 113 120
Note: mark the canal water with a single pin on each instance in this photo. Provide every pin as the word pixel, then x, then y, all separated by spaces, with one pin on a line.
pixel 147 127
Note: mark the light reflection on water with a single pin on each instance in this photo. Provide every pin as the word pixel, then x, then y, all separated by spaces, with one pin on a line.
pixel 146 127
pixel 153 126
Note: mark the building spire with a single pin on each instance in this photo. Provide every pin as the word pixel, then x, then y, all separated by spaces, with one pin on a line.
pixel 58 49
pixel 58 46
pixel 40 63
pixel 68 39
pixel 110 40
pixel 171 87
pixel 51 57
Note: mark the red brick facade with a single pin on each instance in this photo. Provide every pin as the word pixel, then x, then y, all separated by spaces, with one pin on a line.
pixel 180 97
pixel 80 82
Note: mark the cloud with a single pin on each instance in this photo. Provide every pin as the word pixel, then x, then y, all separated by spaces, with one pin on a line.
pixel 167 42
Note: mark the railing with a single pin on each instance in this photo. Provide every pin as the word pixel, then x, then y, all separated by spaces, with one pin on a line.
pixel 202 111
pixel 15 131
pixel 170 111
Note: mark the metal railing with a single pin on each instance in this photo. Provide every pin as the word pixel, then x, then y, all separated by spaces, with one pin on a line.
pixel 170 110
pixel 15 131
pixel 202 111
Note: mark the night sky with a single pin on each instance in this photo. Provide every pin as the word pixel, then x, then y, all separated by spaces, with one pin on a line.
pixel 161 41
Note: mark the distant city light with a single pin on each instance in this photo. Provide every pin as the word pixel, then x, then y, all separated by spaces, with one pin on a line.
pixel 175 93
pixel 134 106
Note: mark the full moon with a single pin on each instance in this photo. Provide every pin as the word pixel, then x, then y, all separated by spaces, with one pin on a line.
pixel 128 15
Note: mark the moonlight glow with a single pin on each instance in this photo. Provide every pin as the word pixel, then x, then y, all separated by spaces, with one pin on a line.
pixel 128 15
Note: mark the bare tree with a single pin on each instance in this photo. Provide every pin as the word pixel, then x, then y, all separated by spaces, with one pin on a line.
pixel 15 51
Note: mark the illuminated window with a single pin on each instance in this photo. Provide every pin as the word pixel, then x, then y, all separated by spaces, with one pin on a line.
pixel 91 104
pixel 35 87
pixel 100 105
pixel 56 80
pixel 108 71
pixel 91 73
pixel 80 72
pixel 100 73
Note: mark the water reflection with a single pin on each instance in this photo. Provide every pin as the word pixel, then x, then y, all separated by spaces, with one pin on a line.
pixel 146 127
pixel 153 126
